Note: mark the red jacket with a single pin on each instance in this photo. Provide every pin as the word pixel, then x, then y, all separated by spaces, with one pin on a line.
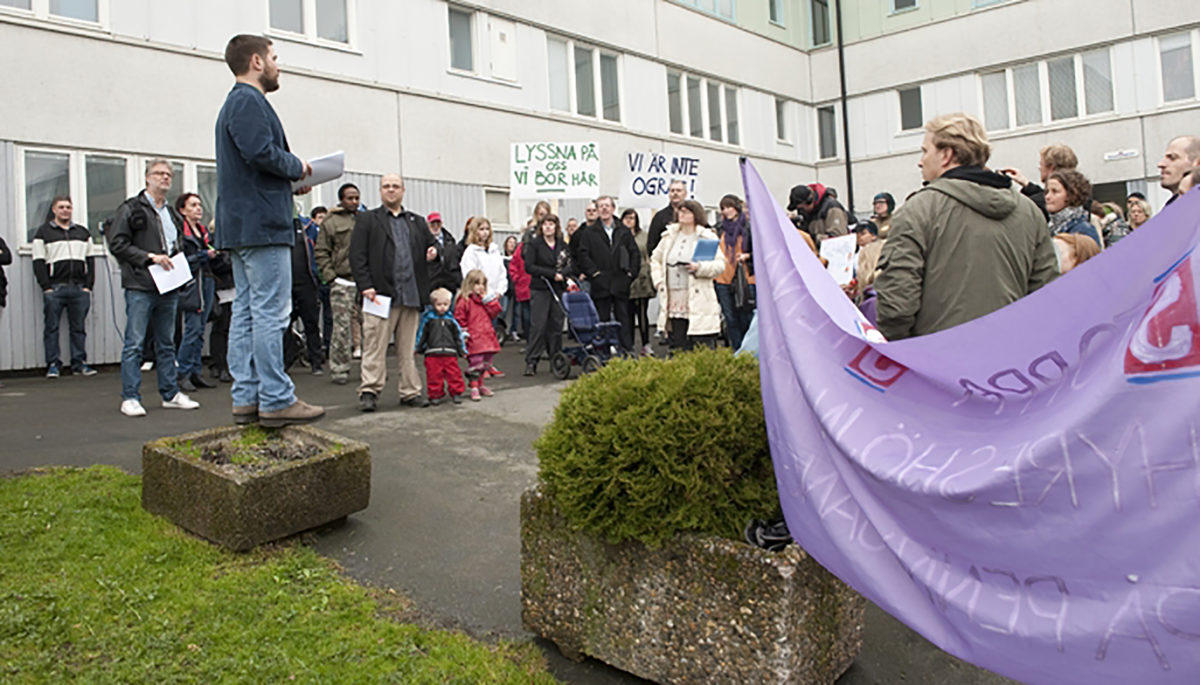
pixel 520 279
pixel 475 317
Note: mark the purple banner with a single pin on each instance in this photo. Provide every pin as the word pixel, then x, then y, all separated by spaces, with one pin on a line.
pixel 1024 489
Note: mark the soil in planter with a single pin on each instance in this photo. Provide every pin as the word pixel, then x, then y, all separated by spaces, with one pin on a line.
pixel 254 449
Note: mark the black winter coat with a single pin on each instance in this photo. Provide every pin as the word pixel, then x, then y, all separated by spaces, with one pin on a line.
pixel 136 233
pixel 373 252
pixel 5 260
pixel 609 267
pixel 445 271
pixel 542 262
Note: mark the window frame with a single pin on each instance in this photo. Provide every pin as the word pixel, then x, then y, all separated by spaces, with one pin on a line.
pixel 597 80
pixel 714 12
pixel 980 4
pixel 77 184
pixel 725 90
pixel 472 37
pixel 812 24
pixel 40 10
pixel 783 132
pixel 903 10
pixel 832 108
pixel 1158 65
pixel 308 21
pixel 777 8
pixel 1042 66
pixel 920 104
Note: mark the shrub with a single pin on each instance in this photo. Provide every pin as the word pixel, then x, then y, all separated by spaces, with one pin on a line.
pixel 648 449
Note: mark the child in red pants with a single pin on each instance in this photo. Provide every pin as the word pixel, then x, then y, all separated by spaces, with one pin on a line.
pixel 440 339
pixel 475 312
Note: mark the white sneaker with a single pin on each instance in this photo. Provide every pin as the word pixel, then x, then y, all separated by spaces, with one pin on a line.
pixel 647 350
pixel 146 366
pixel 132 408
pixel 180 401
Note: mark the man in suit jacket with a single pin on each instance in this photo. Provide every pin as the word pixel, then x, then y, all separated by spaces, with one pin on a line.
pixel 255 171
pixel 389 253
pixel 609 256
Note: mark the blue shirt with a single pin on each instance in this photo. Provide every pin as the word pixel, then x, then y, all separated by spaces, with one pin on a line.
pixel 164 217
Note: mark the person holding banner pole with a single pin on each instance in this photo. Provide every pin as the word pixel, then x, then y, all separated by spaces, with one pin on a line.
pixel 688 310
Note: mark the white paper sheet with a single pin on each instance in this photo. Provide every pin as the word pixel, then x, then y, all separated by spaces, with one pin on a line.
pixel 840 253
pixel 324 169
pixel 166 281
pixel 226 295
pixel 381 307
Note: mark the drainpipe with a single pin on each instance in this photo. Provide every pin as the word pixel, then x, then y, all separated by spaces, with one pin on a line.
pixel 841 47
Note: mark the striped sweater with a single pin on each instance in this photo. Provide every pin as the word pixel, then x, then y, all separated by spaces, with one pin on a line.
pixel 60 256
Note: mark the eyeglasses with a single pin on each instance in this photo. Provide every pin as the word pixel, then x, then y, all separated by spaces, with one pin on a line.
pixel 168 174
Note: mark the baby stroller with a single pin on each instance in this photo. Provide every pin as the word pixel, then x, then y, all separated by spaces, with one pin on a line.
pixel 594 339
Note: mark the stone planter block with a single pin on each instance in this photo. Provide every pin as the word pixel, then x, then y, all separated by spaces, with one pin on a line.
pixel 239 509
pixel 697 610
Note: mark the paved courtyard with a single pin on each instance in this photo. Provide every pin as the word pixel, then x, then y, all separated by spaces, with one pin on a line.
pixel 443 525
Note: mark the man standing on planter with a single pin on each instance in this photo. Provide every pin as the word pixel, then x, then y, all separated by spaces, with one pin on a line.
pixel 254 222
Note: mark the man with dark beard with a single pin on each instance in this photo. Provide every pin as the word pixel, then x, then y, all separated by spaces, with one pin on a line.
pixel 254 219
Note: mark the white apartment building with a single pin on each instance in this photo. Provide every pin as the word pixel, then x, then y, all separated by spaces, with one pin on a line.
pixel 438 91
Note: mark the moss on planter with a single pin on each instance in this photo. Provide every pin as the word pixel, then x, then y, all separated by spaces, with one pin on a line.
pixel 648 449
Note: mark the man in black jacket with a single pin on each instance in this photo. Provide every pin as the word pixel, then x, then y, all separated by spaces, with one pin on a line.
pixel 676 194
pixel 65 273
pixel 147 230
pixel 444 272
pixel 389 251
pixel 609 256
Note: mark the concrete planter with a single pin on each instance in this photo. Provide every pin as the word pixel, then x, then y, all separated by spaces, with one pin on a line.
pixel 240 509
pixel 700 609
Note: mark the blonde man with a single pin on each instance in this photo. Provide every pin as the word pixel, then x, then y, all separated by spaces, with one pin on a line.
pixel 966 244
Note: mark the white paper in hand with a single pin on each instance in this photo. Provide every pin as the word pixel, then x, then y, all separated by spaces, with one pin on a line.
pixel 324 169
pixel 840 253
pixel 166 281
pixel 381 307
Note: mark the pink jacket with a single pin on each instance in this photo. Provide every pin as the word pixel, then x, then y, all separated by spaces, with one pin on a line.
pixel 475 316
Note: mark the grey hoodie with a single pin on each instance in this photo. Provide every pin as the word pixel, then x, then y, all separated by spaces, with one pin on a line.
pixel 964 246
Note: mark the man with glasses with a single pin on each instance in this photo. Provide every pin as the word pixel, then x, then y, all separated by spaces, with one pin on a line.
pixel 255 171
pixel 145 231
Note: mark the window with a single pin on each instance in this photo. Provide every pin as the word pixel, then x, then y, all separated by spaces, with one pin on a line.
pixel 984 3
pixel 819 13
pixel 714 111
pixel 47 174
pixel 721 8
pixel 775 11
pixel 206 188
pixel 105 190
pixel 79 10
pixel 461 56
pixel 902 5
pixel 1097 82
pixel 496 205
pixel 827 132
pixel 326 20
pixel 1064 96
pixel 733 136
pixel 675 101
pixel 1027 94
pixel 1178 77
pixel 84 10
pixel 560 81
pixel 695 108
pixel 911 115
pixel 781 128
pixel 584 80
pixel 995 101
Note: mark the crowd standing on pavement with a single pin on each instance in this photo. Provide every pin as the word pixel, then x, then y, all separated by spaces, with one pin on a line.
pixel 280 288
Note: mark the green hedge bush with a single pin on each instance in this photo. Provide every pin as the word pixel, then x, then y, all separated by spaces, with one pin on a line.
pixel 643 450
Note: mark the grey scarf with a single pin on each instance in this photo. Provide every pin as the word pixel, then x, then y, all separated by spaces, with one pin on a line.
pixel 1064 217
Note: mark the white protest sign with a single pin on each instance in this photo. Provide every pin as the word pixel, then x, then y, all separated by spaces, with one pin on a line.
pixel 541 170
pixel 645 177
pixel 840 253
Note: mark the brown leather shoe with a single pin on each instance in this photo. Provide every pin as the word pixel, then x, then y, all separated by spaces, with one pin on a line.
pixel 245 414
pixel 299 412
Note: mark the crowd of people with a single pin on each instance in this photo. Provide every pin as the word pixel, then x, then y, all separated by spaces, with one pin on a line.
pixel 972 239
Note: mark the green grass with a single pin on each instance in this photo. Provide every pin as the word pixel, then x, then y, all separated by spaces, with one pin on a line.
pixel 94 589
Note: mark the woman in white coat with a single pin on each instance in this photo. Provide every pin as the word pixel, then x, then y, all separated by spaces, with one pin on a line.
pixel 688 309
pixel 482 254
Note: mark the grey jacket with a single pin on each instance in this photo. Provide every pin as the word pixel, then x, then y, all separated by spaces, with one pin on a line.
pixel 962 247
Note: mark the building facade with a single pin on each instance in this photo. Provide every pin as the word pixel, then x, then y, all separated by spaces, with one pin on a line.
pixel 438 91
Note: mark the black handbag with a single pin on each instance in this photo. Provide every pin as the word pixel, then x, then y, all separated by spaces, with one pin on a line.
pixel 743 292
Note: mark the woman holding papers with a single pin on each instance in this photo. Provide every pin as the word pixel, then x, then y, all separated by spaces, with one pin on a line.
pixel 683 267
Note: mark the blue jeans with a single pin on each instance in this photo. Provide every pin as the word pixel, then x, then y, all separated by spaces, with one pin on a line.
pixel 737 321
pixel 192 346
pixel 144 308
pixel 262 309
pixel 76 302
